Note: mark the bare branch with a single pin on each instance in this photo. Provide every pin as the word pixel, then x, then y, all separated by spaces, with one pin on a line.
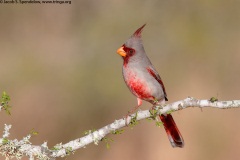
pixel 62 150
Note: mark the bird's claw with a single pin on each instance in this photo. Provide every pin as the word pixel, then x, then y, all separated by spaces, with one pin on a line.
pixel 126 119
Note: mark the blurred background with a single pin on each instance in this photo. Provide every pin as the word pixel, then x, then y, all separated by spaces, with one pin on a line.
pixel 60 67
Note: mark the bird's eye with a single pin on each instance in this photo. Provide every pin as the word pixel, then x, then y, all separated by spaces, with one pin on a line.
pixel 131 51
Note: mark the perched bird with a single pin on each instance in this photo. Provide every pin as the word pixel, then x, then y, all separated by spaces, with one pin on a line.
pixel 145 83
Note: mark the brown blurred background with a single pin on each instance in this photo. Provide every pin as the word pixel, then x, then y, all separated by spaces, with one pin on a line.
pixel 60 67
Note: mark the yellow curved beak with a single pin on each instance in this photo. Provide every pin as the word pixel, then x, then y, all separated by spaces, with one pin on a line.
pixel 121 52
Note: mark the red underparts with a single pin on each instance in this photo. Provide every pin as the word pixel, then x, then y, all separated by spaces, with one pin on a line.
pixel 139 88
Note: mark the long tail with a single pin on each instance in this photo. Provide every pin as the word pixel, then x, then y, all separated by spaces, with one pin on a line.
pixel 173 133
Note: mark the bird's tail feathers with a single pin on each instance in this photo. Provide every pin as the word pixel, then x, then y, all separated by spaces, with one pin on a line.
pixel 173 133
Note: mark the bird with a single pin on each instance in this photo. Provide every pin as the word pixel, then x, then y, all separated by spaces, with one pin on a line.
pixel 144 82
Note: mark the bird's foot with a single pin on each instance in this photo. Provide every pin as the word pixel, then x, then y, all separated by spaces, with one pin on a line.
pixel 126 119
pixel 157 107
pixel 131 112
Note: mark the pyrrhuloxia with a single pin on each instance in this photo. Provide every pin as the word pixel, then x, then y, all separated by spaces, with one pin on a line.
pixel 145 83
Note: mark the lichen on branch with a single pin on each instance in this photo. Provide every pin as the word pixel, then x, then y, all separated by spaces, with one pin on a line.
pixel 19 148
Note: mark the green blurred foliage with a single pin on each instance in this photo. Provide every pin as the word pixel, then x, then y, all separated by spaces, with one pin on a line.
pixel 60 67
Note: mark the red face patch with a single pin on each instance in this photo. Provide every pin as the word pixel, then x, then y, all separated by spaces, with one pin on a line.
pixel 130 52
